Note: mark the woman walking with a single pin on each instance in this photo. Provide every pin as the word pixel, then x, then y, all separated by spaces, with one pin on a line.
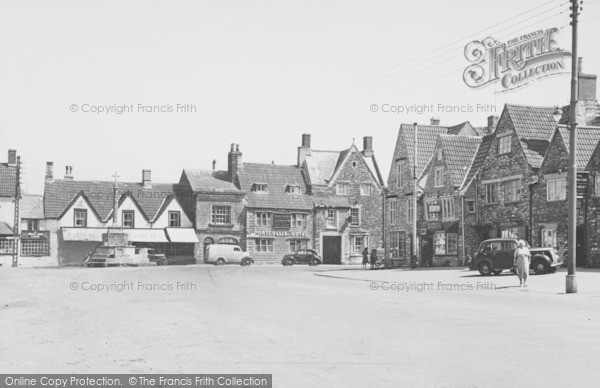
pixel 365 254
pixel 522 258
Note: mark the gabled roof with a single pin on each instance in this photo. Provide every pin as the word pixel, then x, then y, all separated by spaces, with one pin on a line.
pixel 465 129
pixel 426 138
pixel 277 178
pixel 58 195
pixel 482 151
pixel 8 179
pixel 587 140
pixel 5 229
pixel 207 180
pixel 533 126
pixel 459 153
pixel 31 206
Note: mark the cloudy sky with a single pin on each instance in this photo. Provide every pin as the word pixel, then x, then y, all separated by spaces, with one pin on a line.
pixel 257 73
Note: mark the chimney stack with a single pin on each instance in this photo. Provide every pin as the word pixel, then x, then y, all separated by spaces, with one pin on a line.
pixel 234 161
pixel 12 157
pixel 214 164
pixel 492 122
pixel 49 171
pixel 68 173
pixel 147 178
pixel 367 146
pixel 304 149
pixel 435 120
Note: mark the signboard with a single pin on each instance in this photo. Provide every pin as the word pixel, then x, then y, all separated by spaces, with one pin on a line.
pixel 281 220
pixel 35 235
pixel 582 183
pixel 278 233
pixel 434 208
pixel 516 62
pixel 434 225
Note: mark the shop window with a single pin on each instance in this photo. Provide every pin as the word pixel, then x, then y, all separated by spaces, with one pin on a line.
pixel 509 233
pixel 7 247
pixel 549 238
pixel 298 220
pixel 128 218
pixel 556 189
pixel 80 218
pixel 296 245
pixel 174 219
pixel 355 216
pixel 512 192
pixel 397 244
pixel 263 245
pixel 342 188
pixel 452 243
pixel 221 214
pixel 439 243
pixel 433 211
pixel 179 249
pixel 35 247
pixel 263 219
pixel 504 144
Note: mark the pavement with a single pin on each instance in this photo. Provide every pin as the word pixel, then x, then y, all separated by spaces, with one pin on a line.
pixel 323 326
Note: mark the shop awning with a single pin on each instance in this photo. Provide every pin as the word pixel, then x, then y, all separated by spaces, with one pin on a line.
pixel 182 235
pixel 83 234
pixel 146 235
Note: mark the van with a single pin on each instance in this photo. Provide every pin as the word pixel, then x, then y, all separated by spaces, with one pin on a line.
pixel 221 254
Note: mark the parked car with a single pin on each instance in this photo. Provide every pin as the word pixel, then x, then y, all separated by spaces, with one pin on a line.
pixel 303 256
pixel 497 254
pixel 221 254
pixel 158 258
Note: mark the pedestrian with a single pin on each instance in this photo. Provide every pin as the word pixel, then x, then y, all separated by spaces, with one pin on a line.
pixel 365 254
pixel 373 258
pixel 522 257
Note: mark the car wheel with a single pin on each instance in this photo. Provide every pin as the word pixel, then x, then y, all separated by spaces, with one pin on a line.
pixel 552 269
pixel 497 272
pixel 314 262
pixel 164 262
pixel 246 262
pixel 485 268
pixel 220 261
pixel 540 267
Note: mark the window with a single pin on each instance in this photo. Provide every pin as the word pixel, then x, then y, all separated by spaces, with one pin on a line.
pixel 549 238
pixel 33 225
pixel 260 187
pixel 228 240
pixel 491 193
pixel 439 154
pixel 175 219
pixel 470 205
pixel 433 211
pixel 504 145
pixel 80 218
pixel 298 220
pixel 263 219
pixel 357 244
pixel 509 233
pixel 296 245
pixel 179 249
pixel 221 214
pixel 35 247
pixel 342 188
pixel 410 210
pixel 397 244
pixel 399 174
pixel 447 208
pixel 597 184
pixel 556 189
pixel 7 247
pixel 439 243
pixel 264 245
pixel 366 189
pixel 128 219
pixel 293 189
pixel 393 212
pixel 331 218
pixel 452 243
pixel 355 216
pixel 512 192
pixel 438 177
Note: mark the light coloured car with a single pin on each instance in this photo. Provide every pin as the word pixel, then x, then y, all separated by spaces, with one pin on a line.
pixel 221 254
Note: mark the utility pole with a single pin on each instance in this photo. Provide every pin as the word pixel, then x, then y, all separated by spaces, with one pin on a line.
pixel 17 221
pixel 571 283
pixel 414 198
pixel 115 222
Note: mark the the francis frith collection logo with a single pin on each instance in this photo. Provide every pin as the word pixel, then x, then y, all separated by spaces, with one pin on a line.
pixel 516 62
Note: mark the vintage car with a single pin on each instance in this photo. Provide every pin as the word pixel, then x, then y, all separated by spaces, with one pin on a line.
pixel 303 256
pixel 221 254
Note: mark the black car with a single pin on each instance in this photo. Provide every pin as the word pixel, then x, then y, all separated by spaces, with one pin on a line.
pixel 496 255
pixel 303 256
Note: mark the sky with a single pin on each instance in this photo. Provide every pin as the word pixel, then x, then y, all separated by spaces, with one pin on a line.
pixel 255 73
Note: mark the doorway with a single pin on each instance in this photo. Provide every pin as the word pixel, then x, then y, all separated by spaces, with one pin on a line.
pixel 332 249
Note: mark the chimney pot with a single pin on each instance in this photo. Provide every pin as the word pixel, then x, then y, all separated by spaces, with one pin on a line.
pixel 214 164
pixel 68 172
pixel 12 157
pixel 367 146
pixel 232 147
pixel 492 122
pixel 306 140
pixel 146 178
pixel 49 170
pixel 435 120
pixel 579 65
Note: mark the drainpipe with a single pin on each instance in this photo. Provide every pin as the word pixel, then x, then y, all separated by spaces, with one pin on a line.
pixel 462 207
pixel 383 228
pixel 530 234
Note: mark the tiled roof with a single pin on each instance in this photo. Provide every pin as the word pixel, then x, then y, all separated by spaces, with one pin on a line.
pixel 31 206
pixel 206 180
pixel 587 140
pixel 8 179
pixel 482 151
pixel 321 165
pixel 459 153
pixel 336 201
pixel 5 229
pixel 465 129
pixel 277 178
pixel 481 131
pixel 58 195
pixel 426 138
pixel 534 126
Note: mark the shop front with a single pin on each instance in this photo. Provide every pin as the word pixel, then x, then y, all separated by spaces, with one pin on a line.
pixel 440 244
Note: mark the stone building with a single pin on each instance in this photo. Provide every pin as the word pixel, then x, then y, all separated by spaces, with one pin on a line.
pixel 592 216
pixel 403 173
pixel 549 198
pixel 347 191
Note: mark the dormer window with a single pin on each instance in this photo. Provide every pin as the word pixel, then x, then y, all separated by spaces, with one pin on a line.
pixel 293 189
pixel 260 187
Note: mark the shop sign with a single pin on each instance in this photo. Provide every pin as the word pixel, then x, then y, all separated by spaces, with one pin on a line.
pixel 434 208
pixel 280 233
pixel 281 220
pixel 582 183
